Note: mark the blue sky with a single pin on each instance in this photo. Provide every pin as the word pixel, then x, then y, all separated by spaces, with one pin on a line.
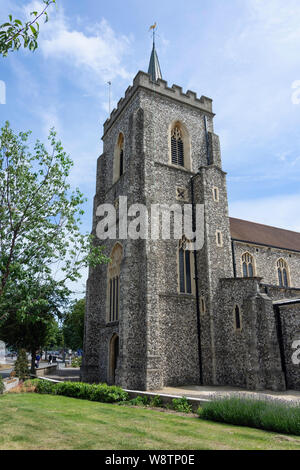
pixel 244 54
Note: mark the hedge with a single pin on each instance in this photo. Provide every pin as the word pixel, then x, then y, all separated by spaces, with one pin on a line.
pixel 100 392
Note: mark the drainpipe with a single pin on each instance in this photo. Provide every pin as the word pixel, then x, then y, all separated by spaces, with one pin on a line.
pixel 197 289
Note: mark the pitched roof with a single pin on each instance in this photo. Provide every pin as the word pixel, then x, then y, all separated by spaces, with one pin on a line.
pixel 264 234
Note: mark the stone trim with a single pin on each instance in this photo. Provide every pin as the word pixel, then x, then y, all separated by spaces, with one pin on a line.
pixel 221 243
pixel 253 263
pixel 175 167
pixel 187 151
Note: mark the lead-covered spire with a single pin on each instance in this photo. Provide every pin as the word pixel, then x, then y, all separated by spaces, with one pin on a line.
pixel 154 67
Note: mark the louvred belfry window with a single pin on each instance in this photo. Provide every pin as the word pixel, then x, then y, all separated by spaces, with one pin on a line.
pixel 177 147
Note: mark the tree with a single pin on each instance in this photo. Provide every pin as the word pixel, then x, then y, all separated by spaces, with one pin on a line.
pixel 55 337
pixel 39 219
pixel 21 365
pixel 73 325
pixel 36 327
pixel 14 32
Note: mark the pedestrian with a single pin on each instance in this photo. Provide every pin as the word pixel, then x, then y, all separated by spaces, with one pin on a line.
pixel 37 360
pixel 50 359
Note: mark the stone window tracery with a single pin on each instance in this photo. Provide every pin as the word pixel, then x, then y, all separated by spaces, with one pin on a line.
pixel 185 265
pixel 283 276
pixel 248 265
pixel 177 147
pixel 114 283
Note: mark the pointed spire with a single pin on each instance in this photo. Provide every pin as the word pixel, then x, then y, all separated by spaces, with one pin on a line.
pixel 154 67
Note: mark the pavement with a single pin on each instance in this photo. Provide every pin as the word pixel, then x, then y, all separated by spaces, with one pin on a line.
pixel 209 392
pixel 5 372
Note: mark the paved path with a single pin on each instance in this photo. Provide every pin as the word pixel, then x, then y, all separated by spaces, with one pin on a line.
pixel 5 372
pixel 194 391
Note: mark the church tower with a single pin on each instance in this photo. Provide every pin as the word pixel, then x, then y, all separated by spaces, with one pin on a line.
pixel 152 312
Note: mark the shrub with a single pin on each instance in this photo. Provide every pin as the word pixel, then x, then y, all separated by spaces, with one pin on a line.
pixel 156 402
pixel 44 387
pixel 270 415
pixel 108 394
pixel 76 362
pixel 29 386
pixel 21 365
pixel 73 390
pixel 1 385
pixel 101 392
pixel 182 405
pixel 139 401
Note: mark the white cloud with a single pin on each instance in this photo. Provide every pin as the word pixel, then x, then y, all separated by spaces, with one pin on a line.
pixel 278 211
pixel 98 50
pixel 100 53
pixel 251 70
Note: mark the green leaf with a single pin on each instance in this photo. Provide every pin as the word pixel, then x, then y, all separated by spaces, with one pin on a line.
pixel 34 31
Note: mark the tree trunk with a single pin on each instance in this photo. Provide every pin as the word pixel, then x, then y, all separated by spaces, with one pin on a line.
pixel 32 370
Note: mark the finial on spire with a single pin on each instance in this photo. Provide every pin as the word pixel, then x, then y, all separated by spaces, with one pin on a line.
pixel 154 67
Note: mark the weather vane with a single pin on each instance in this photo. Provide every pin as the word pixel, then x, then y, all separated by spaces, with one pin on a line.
pixel 153 28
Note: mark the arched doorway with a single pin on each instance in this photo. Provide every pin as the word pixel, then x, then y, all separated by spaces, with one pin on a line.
pixel 113 358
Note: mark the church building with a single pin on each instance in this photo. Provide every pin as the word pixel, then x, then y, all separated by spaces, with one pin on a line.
pixel 159 314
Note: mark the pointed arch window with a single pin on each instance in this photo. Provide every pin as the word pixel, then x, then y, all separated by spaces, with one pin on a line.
pixel 177 147
pixel 248 265
pixel 282 270
pixel 186 267
pixel 113 285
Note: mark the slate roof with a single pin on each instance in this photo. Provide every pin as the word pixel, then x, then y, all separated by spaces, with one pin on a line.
pixel 264 234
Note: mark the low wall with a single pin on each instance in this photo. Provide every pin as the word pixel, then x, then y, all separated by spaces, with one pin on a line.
pixel 10 383
pixel 167 399
pixel 47 370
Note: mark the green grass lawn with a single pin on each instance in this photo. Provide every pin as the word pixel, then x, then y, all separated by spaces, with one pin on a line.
pixel 32 421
